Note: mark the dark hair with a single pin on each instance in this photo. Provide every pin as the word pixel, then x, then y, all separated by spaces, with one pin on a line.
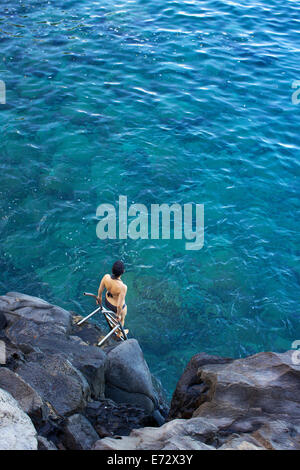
pixel 118 268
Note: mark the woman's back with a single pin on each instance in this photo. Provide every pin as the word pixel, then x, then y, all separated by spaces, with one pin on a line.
pixel 113 286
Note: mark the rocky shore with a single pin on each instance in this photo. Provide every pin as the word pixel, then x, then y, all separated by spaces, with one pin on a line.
pixel 59 391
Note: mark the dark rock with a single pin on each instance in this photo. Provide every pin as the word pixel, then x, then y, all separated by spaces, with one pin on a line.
pixel 90 333
pixel 161 398
pixel 13 355
pixel 30 402
pixel 3 321
pixel 62 387
pixel 128 379
pixel 110 418
pixel 44 444
pixel 79 433
pixel 55 368
pixel 90 360
pixel 15 305
pixel 52 430
pixel 191 390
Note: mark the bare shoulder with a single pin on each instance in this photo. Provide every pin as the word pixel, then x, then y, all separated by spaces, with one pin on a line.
pixel 124 288
pixel 105 277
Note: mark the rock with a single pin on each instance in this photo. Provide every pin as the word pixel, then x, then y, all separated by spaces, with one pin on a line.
pixel 161 398
pixel 15 305
pixel 16 429
pixel 52 430
pixel 30 402
pixel 266 381
pixel 3 321
pixel 128 379
pixel 79 433
pixel 13 355
pixel 241 443
pixel 57 381
pixel 44 444
pixel 2 352
pixel 190 390
pixel 90 360
pixel 185 443
pixel 110 418
pixel 258 395
pixel 91 334
pixel 279 434
pixel 122 443
pixel 192 434
pixel 53 370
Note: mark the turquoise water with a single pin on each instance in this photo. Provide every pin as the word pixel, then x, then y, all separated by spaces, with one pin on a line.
pixel 163 101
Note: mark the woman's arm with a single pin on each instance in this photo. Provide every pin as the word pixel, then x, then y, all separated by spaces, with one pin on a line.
pixel 100 290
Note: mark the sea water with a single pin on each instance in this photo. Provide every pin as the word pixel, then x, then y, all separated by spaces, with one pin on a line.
pixel 163 102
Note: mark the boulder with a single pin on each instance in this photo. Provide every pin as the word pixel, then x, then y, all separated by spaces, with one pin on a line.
pixel 192 434
pixel 257 395
pixel 30 402
pixel 16 429
pixel 16 305
pixel 79 433
pixel 90 360
pixel 62 387
pixel 190 390
pixel 264 384
pixel 127 376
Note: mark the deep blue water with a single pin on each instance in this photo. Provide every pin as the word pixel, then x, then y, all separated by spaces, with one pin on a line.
pixel 163 101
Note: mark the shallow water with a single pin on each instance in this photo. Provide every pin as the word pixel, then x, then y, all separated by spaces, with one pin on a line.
pixel 168 101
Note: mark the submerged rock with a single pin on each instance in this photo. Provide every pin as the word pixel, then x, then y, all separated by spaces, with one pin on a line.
pixel 16 429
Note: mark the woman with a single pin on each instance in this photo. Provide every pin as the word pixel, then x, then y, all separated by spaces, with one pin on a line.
pixel 115 291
